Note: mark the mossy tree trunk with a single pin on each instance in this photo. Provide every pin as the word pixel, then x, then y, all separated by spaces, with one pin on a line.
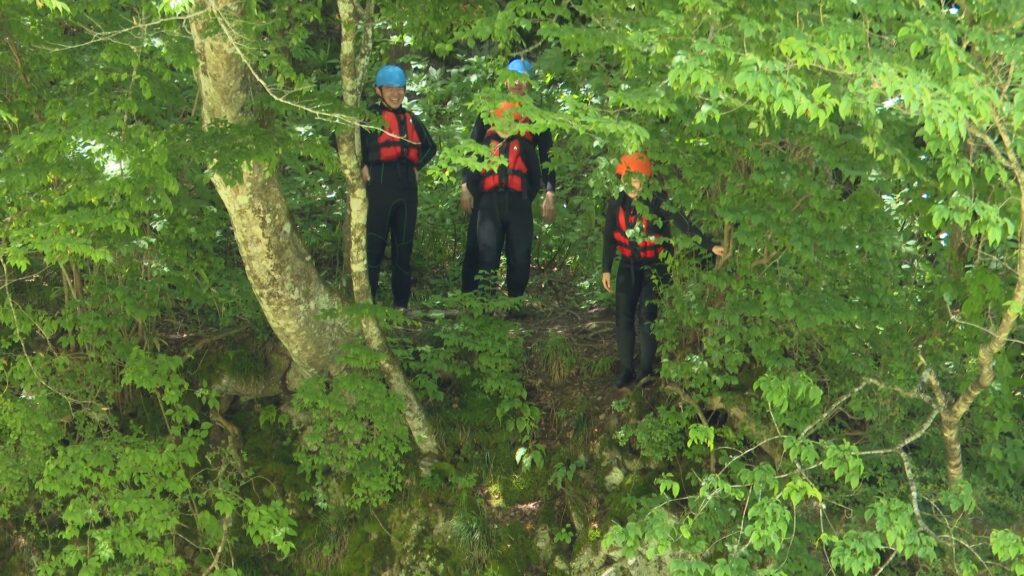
pixel 279 268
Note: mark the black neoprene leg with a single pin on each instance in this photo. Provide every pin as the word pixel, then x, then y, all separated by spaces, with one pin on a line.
pixel 402 224
pixel 378 206
pixel 627 294
pixel 490 231
pixel 471 260
pixel 648 314
pixel 519 241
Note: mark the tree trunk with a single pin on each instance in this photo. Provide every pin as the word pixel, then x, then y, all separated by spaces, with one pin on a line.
pixel 352 64
pixel 290 292
pixel 953 413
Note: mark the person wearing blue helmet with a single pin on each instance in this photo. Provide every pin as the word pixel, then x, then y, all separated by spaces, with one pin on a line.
pixel 470 190
pixel 393 154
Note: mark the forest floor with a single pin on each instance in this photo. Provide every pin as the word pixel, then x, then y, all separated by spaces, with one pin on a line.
pixel 555 510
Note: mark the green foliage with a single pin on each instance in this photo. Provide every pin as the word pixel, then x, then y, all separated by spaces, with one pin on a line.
pixel 483 351
pixel 124 495
pixel 659 436
pixel 857 552
pixel 1008 547
pixel 528 457
pixel 859 157
pixel 769 524
pixel 893 518
pixel 270 524
pixel 563 473
pixel 352 431
pixel 779 392
pixel 844 462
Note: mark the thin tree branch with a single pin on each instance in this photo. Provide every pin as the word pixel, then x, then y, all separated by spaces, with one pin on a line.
pixel 231 36
pixel 908 440
pixel 981 328
pixel 908 469
pixel 17 60
pixel 886 563
pixel 109 35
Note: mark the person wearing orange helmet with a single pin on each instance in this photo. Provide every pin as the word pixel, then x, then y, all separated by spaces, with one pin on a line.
pixel 504 213
pixel 469 198
pixel 639 240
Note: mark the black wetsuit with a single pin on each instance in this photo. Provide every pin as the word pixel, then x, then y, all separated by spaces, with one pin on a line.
pixel 471 261
pixel 391 196
pixel 504 216
pixel 638 277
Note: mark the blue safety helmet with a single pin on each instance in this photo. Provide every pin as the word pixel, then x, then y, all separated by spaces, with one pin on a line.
pixel 520 66
pixel 390 75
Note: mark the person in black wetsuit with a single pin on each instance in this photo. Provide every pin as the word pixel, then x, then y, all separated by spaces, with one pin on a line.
pixel 470 197
pixel 639 241
pixel 392 159
pixel 504 213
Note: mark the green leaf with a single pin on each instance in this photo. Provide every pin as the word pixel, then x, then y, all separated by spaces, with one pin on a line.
pixel 798 489
pixel 845 462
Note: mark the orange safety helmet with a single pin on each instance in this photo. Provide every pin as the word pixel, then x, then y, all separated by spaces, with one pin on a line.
pixel 636 162
pixel 499 112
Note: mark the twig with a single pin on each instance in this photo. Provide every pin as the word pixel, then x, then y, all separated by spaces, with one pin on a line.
pixel 17 60
pixel 928 375
pixel 225 527
pixel 908 440
pixel 108 36
pixel 318 114
pixel 910 394
pixel 828 414
pixel 886 563
pixel 956 319
pixel 21 342
pixel 914 497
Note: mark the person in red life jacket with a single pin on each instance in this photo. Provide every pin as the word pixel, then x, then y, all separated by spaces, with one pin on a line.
pixel 392 159
pixel 640 243
pixel 504 211
pixel 470 193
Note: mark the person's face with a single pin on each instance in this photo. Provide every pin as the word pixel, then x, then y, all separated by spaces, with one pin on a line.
pixel 636 184
pixel 517 87
pixel 392 96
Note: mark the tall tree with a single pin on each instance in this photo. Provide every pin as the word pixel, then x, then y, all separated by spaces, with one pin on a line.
pixel 299 306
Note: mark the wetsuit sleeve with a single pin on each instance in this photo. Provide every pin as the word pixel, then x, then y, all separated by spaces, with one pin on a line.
pixel 608 252
pixel 479 130
pixel 544 142
pixel 683 224
pixel 533 174
pixel 368 141
pixel 477 134
pixel 427 146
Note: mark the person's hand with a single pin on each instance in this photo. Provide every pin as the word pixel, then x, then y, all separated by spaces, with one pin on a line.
pixel 606 281
pixel 466 200
pixel 366 173
pixel 547 208
pixel 718 250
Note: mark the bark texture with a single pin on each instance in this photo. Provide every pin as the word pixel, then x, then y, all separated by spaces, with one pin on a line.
pixel 290 292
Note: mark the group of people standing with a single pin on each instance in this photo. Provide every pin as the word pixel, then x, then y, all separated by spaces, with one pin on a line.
pixel 499 205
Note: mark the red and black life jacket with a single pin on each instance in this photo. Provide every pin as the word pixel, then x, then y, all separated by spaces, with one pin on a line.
pixel 647 248
pixel 514 176
pixel 398 141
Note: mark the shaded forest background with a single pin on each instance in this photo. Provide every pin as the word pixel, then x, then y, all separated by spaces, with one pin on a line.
pixel 194 383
